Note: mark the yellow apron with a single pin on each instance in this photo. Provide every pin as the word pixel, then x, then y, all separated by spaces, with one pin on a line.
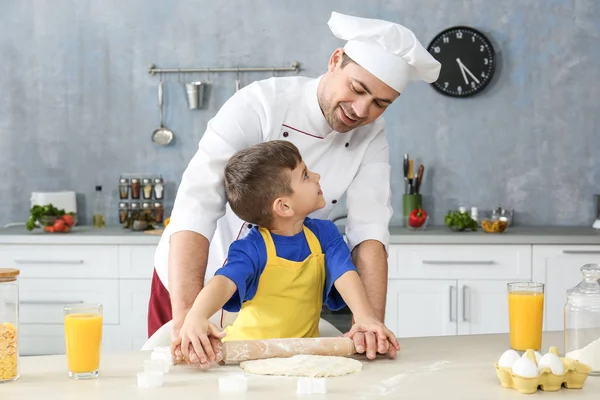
pixel 288 298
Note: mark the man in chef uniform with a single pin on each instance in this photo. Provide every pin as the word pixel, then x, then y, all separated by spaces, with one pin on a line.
pixel 335 120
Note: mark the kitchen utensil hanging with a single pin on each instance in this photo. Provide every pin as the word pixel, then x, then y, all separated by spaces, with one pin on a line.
pixel 194 94
pixel 161 136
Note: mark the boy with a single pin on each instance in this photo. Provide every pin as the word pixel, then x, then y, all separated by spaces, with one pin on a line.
pixel 278 275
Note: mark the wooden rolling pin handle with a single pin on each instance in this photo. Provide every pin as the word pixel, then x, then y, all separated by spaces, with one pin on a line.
pixel 236 351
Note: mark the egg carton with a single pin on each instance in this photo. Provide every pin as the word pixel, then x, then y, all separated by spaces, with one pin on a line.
pixel 574 376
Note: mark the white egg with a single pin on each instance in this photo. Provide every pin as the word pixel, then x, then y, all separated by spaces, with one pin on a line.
pixel 538 357
pixel 525 367
pixel 553 362
pixel 508 358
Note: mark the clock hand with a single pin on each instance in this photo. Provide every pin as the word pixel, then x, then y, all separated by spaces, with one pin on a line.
pixel 462 71
pixel 464 68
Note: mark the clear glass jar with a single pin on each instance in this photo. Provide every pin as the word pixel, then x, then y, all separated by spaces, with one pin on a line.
pixel 582 319
pixel 9 324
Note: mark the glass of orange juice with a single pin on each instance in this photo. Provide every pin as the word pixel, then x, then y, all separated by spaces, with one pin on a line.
pixel 525 314
pixel 83 339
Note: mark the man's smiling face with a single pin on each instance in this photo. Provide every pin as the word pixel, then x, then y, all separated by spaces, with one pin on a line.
pixel 350 96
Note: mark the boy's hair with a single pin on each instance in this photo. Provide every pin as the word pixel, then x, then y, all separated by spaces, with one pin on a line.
pixel 256 176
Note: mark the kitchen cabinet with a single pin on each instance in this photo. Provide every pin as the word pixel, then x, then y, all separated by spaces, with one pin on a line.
pixel 432 307
pixel 421 307
pixel 52 275
pixel 436 290
pixel 558 267
pixel 482 307
pixel 440 283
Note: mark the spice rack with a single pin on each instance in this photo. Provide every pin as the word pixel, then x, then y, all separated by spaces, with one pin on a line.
pixel 141 200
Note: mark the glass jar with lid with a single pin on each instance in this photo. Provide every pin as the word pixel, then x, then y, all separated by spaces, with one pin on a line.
pixel 582 319
pixel 9 324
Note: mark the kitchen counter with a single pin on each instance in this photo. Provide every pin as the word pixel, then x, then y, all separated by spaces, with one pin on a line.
pixel 513 235
pixel 398 235
pixel 78 235
pixel 450 367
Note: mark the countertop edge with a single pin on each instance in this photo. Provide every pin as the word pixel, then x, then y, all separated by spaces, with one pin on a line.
pixel 116 235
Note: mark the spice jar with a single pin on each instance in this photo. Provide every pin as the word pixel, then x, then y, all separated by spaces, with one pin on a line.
pixel 9 324
pixel 158 188
pixel 582 319
pixel 147 188
pixel 135 188
pixel 123 188
pixel 147 209
pixel 135 210
pixel 158 213
pixel 123 212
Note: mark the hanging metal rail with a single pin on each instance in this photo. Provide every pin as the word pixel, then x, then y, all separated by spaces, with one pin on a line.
pixel 295 67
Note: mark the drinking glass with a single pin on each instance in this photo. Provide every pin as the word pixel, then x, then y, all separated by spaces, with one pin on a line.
pixel 526 314
pixel 83 339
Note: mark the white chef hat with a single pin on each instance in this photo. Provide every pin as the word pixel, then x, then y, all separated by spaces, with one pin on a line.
pixel 387 50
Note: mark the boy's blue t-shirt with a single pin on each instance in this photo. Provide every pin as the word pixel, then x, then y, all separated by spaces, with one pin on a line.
pixel 247 258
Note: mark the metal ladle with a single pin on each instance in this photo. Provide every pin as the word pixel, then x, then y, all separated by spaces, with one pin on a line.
pixel 162 135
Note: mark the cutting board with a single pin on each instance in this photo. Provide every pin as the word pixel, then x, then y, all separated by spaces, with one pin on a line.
pixel 154 231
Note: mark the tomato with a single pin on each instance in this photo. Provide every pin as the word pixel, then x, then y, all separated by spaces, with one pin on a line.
pixel 49 229
pixel 59 225
pixel 68 219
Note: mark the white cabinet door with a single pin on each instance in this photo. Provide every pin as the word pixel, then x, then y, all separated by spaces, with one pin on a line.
pixel 421 307
pixel 136 261
pixel 454 261
pixel 558 267
pixel 482 307
pixel 134 295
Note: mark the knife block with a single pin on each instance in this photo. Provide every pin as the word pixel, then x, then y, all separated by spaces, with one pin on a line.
pixel 409 203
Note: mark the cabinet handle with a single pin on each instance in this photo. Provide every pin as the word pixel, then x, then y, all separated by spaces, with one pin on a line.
pixel 449 262
pixel 450 302
pixel 464 303
pixel 62 262
pixel 581 251
pixel 53 302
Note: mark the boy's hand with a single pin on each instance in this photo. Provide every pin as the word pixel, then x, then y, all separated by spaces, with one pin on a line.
pixel 377 336
pixel 195 336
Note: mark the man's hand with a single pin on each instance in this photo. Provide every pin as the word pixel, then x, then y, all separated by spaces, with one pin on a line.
pixel 188 257
pixel 196 336
pixel 370 258
pixel 377 337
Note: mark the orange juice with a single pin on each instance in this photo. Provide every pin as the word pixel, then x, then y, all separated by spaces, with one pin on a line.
pixel 526 312
pixel 83 338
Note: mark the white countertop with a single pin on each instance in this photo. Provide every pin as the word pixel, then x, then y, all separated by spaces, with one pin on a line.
pixel 78 235
pixel 398 235
pixel 451 367
pixel 513 235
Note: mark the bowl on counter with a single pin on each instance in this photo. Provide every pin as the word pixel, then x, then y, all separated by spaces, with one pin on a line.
pixel 52 224
pixel 494 226
pixel 498 220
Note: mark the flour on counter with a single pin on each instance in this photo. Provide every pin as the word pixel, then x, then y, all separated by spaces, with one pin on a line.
pixel 589 355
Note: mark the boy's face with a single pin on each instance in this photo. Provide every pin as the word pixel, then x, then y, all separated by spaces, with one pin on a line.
pixel 307 196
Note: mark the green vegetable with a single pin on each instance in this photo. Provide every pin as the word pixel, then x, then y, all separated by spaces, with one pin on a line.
pixel 460 221
pixel 38 212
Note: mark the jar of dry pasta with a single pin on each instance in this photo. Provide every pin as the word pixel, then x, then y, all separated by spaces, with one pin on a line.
pixel 9 324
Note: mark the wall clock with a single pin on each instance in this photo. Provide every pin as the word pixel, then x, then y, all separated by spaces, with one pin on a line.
pixel 468 61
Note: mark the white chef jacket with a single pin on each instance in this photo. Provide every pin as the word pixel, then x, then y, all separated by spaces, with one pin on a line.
pixel 355 163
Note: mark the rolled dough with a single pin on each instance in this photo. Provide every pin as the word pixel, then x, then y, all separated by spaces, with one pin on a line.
pixel 303 365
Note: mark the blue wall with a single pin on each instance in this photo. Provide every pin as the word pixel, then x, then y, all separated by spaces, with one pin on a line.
pixel 77 105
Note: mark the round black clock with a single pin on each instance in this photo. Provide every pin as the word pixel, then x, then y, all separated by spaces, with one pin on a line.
pixel 468 61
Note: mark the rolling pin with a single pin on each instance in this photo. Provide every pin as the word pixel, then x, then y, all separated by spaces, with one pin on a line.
pixel 236 351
